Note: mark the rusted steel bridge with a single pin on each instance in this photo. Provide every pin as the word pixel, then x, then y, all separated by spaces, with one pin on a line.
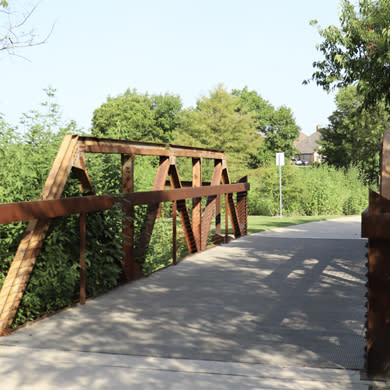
pixel 71 158
pixel 196 222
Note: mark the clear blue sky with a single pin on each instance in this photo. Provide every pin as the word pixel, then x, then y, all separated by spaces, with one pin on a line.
pixel 100 48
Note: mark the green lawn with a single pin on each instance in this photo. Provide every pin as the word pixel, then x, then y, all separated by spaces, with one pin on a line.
pixel 258 223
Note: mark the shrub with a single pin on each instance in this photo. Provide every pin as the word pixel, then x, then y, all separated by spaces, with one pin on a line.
pixel 263 198
pixel 317 190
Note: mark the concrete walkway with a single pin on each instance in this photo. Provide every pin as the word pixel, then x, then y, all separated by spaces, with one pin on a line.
pixel 274 310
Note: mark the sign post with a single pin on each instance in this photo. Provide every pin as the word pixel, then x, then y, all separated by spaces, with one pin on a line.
pixel 280 163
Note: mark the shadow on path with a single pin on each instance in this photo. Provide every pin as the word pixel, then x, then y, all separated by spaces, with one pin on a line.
pixel 275 301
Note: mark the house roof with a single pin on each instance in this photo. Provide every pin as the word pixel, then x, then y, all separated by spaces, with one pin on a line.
pixel 307 143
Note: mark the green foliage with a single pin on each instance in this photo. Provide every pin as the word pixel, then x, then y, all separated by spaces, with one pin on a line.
pixel 324 191
pixel 356 58
pixel 220 122
pixel 25 161
pixel 355 134
pixel 277 126
pixel 159 253
pixel 258 223
pixel 357 52
pixel 263 196
pixel 311 191
pixel 137 117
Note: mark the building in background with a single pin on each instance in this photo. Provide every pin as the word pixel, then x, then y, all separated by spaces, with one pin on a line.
pixel 308 147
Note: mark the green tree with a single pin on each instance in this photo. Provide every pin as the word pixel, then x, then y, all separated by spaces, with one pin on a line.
pixel 355 133
pixel 277 126
pixel 137 116
pixel 221 122
pixel 357 52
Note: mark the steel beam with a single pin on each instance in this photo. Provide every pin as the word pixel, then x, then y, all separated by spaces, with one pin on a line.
pixel 210 205
pixel 101 145
pixel 242 208
pixel 385 167
pixel 71 156
pixel 153 209
pixel 197 202
pixel 47 209
pixel 26 255
pixel 183 212
pixel 231 206
pixel 131 268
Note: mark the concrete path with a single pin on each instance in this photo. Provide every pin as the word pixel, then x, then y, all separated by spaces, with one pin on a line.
pixel 274 310
pixel 340 228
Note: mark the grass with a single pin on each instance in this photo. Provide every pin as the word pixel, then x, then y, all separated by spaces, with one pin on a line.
pixel 258 223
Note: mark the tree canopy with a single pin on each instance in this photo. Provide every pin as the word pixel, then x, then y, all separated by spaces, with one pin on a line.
pixel 247 127
pixel 137 117
pixel 222 122
pixel 357 52
pixel 276 126
pixel 355 133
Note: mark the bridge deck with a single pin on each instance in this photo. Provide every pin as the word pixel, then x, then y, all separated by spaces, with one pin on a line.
pixel 272 310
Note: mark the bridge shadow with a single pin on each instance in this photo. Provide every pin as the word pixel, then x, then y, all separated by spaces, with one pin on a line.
pixel 275 301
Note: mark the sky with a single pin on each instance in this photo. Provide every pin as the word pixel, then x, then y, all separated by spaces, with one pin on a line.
pixel 183 47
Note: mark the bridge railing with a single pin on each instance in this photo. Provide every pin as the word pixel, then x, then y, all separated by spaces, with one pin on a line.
pixel 196 223
pixel 376 227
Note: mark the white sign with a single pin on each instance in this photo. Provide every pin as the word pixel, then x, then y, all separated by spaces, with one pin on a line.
pixel 280 159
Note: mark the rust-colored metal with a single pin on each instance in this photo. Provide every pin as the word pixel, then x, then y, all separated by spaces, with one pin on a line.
pixel 174 232
pixel 231 206
pixel 100 145
pixel 385 167
pixel 375 226
pixel 210 205
pixel 83 267
pixel 153 210
pixel 26 255
pixel 218 215
pixel 47 209
pixel 376 218
pixel 374 223
pixel 71 156
pixel 242 208
pixel 183 212
pixel 197 202
pixel 79 169
pixel 226 219
pixel 130 267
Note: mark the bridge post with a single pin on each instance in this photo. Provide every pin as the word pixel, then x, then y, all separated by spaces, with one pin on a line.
pixel 375 223
pixel 130 266
pixel 242 208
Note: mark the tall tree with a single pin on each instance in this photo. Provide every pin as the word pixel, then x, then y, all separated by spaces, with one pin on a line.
pixel 222 122
pixel 137 116
pixel 355 133
pixel 277 126
pixel 357 52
